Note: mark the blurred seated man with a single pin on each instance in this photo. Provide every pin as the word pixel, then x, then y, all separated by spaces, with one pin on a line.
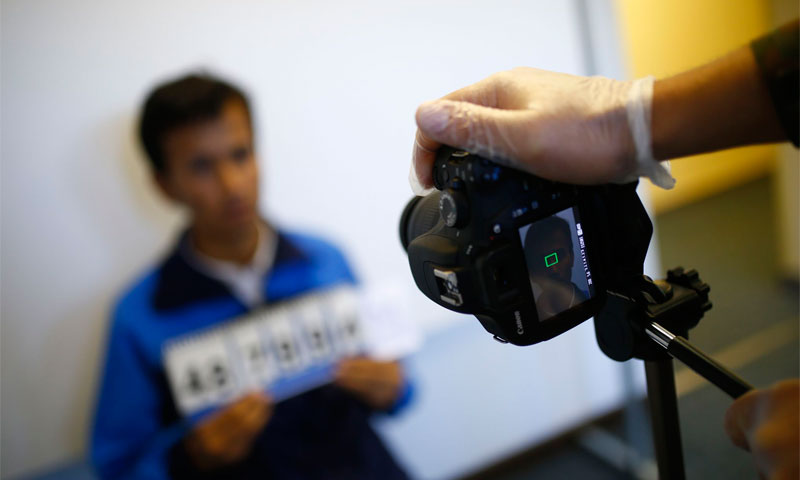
pixel 197 133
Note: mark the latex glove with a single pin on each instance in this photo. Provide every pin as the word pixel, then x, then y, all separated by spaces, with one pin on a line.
pixel 767 423
pixel 227 436
pixel 376 383
pixel 557 126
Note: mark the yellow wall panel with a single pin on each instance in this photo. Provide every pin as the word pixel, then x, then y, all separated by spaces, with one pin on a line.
pixel 663 38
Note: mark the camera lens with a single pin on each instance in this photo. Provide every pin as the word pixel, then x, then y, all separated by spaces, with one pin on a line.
pixel 419 216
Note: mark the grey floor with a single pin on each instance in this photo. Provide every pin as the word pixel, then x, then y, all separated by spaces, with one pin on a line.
pixel 730 239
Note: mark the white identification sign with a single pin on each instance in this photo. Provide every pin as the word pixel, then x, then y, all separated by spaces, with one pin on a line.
pixel 284 349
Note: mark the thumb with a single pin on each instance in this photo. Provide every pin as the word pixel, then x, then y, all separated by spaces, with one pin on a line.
pixel 490 132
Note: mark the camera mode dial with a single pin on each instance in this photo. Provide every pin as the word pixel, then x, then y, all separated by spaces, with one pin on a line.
pixel 454 208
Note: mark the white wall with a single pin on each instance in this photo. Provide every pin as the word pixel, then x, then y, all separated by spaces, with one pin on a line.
pixel 335 86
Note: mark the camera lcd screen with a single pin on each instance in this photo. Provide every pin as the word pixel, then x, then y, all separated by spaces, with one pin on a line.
pixel 558 269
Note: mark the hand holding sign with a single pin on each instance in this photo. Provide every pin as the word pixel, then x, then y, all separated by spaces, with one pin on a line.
pixel 292 347
pixel 227 436
pixel 376 383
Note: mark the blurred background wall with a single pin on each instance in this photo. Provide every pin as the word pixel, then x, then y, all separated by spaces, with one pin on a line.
pixel 334 87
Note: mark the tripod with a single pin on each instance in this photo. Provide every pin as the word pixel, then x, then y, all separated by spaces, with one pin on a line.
pixel 650 320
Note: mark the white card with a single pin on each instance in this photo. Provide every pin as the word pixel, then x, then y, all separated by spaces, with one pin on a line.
pixel 284 349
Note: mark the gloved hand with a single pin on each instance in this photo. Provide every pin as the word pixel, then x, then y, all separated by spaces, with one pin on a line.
pixel 767 422
pixel 580 130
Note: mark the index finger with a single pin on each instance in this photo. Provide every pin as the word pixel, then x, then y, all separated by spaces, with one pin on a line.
pixel 482 93
pixel 422 158
pixel 241 413
pixel 243 406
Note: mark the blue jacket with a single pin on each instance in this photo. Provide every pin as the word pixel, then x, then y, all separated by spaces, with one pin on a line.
pixel 137 434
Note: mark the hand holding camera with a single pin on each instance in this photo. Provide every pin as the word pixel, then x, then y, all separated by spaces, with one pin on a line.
pixel 568 128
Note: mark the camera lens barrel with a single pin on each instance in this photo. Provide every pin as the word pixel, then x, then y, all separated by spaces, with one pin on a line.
pixel 419 217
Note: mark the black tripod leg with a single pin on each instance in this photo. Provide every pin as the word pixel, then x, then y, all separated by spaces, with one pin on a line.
pixel 664 414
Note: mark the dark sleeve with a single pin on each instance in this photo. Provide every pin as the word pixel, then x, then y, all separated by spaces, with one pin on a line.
pixel 182 468
pixel 778 56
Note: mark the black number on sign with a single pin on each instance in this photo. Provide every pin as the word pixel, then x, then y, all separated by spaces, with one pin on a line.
pixel 286 351
pixel 194 382
pixel 351 328
pixel 317 336
pixel 257 356
pixel 219 374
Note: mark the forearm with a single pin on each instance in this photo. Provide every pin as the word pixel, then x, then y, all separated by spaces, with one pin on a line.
pixel 574 129
pixel 720 105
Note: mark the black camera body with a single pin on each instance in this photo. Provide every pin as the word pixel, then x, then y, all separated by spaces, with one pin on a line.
pixel 530 258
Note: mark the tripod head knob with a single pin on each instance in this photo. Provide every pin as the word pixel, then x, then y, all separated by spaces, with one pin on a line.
pixel 678 303
pixel 649 292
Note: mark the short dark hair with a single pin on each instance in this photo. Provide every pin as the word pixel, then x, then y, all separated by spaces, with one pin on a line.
pixel 190 99
pixel 544 229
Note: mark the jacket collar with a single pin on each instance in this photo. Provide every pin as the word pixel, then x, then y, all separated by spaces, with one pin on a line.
pixel 179 284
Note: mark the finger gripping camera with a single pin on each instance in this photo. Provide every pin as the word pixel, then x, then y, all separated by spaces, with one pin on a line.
pixel 530 258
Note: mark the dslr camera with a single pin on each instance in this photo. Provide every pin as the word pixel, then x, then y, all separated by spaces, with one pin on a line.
pixel 530 258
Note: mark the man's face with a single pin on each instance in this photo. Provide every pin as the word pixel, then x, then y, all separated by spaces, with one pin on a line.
pixel 211 168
